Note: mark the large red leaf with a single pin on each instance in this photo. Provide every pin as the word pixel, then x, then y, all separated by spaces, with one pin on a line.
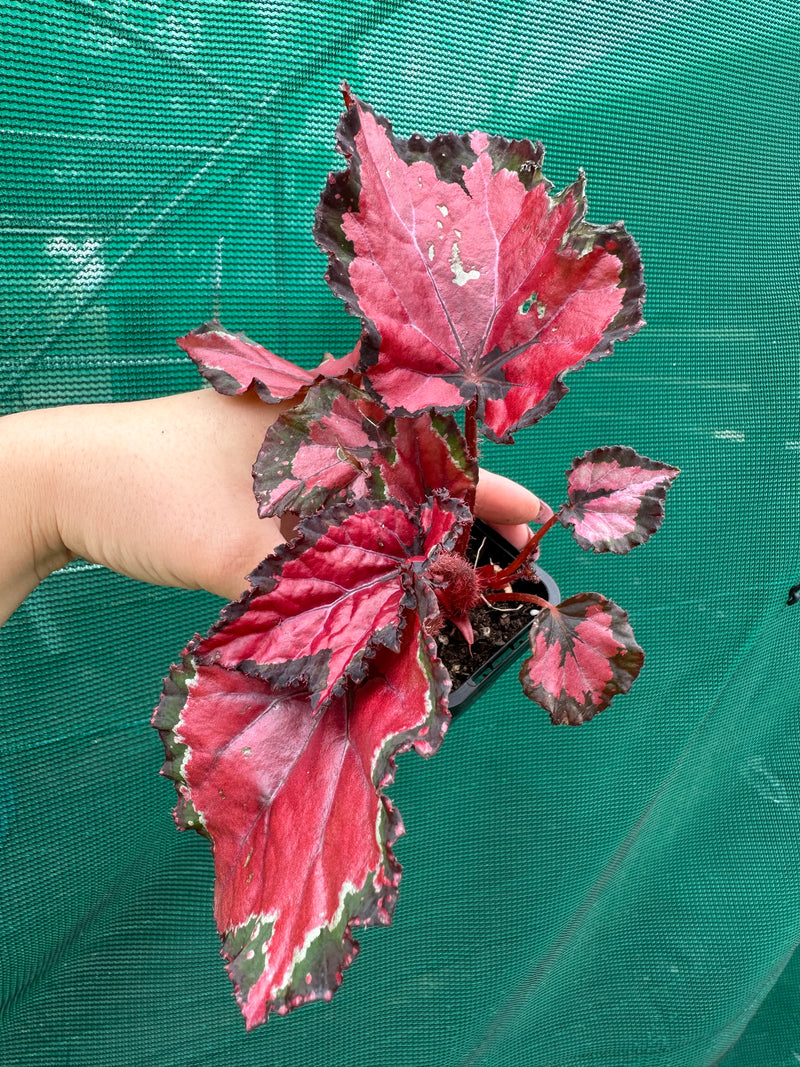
pixel 339 445
pixel 293 805
pixel 233 364
pixel 584 653
pixel 616 498
pixel 320 606
pixel 473 281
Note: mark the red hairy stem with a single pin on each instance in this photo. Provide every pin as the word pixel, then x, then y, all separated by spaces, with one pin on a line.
pixel 471 438
pixel 525 598
pixel 502 577
pixel 471 428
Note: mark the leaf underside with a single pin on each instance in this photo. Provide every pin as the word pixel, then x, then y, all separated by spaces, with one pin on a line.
pixel 616 498
pixel 471 280
pixel 339 445
pixel 584 653
pixel 293 804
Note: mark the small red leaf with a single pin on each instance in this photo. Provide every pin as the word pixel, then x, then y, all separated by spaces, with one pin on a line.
pixel 616 498
pixel 292 802
pixel 426 454
pixel 339 445
pixel 320 453
pixel 584 653
pixel 473 281
pixel 321 605
pixel 233 364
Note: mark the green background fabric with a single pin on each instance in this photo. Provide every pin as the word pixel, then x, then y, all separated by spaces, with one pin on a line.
pixel 627 893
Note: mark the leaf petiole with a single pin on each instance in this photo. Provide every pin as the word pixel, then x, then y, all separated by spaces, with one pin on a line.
pixel 471 440
pixel 507 574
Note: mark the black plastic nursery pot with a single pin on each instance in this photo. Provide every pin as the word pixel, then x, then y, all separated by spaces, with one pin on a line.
pixel 501 631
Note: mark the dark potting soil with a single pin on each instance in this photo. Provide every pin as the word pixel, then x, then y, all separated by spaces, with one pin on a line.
pixel 493 627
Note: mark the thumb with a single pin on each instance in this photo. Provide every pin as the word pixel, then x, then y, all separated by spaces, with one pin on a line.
pixel 502 502
pixel 509 507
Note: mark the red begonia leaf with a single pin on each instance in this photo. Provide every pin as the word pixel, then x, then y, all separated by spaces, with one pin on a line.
pixel 471 280
pixel 321 452
pixel 321 605
pixel 616 498
pixel 584 653
pixel 427 453
pixel 339 445
pixel 233 364
pixel 293 804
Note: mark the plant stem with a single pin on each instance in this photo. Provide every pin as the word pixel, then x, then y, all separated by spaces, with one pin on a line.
pixel 471 428
pixel 471 439
pixel 503 577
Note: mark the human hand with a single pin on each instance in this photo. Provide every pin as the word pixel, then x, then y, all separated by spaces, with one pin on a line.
pixel 161 490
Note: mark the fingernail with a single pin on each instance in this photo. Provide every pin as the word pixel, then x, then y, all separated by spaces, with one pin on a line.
pixel 545 513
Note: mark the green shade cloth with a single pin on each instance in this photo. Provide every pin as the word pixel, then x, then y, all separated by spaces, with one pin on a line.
pixel 626 893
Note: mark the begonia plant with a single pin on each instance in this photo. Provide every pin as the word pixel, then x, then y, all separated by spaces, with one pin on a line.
pixel 477 288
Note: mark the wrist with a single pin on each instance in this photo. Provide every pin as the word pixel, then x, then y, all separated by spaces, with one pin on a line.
pixel 32 546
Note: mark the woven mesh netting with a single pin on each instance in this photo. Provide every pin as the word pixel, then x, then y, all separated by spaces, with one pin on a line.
pixel 626 893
